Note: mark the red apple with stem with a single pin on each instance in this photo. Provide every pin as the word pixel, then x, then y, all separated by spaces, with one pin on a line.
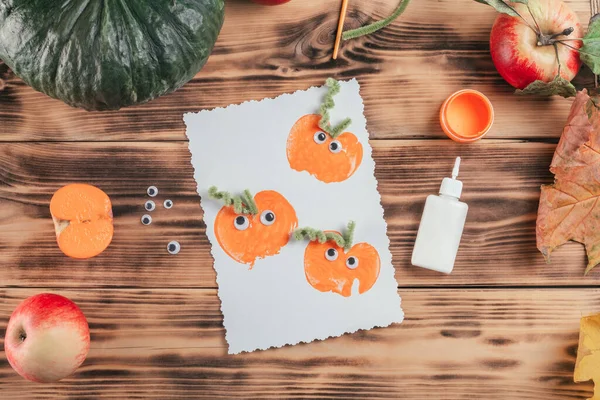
pixel 47 338
pixel 270 2
pixel 539 43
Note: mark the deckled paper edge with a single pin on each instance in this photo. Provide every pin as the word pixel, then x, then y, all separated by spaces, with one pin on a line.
pixel 393 270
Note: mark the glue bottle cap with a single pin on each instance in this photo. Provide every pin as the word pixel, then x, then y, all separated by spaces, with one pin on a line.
pixel 452 186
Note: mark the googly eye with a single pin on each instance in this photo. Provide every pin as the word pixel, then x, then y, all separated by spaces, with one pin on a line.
pixel 352 262
pixel 331 254
pixel 168 204
pixel 173 247
pixel 146 219
pixel 320 137
pixel 149 205
pixel 267 217
pixel 335 147
pixel 241 223
pixel 152 191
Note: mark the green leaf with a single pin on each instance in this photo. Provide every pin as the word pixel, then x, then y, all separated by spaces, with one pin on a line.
pixel 557 87
pixel 520 1
pixel 503 7
pixel 590 51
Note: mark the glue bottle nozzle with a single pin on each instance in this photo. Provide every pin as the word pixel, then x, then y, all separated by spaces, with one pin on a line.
pixel 455 169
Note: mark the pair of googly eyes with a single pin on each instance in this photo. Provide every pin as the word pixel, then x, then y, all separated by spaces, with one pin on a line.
pixel 241 222
pixel 151 206
pixel 335 146
pixel 331 254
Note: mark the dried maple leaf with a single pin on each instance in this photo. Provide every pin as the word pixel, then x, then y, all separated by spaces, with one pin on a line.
pixel 569 209
pixel 587 365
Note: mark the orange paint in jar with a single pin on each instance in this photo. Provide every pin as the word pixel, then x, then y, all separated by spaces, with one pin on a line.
pixel 466 116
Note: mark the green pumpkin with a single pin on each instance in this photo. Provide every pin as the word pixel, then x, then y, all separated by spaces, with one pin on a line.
pixel 108 54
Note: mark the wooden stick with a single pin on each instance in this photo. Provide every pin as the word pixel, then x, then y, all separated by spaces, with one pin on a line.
pixel 340 28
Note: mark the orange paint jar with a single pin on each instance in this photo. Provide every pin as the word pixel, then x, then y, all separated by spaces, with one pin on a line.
pixel 466 116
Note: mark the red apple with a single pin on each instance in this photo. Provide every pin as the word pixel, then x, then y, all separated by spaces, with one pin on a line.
pixel 270 2
pixel 523 48
pixel 47 338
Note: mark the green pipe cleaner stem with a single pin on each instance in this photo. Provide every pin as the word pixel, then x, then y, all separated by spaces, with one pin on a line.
pixel 375 26
pixel 243 204
pixel 249 201
pixel 349 234
pixel 316 235
pixel 328 104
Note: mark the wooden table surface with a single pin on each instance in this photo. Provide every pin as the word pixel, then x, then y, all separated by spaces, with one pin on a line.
pixel 504 325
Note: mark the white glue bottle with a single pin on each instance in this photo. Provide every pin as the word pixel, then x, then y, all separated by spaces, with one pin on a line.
pixel 441 226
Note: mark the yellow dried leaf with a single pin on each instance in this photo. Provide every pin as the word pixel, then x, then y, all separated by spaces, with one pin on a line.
pixel 587 366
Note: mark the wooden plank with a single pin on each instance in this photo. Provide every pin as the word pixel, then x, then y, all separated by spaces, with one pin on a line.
pixel 406 71
pixel 454 344
pixel 501 185
pixel 594 6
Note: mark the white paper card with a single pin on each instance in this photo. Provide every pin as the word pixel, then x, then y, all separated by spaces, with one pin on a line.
pixel 273 291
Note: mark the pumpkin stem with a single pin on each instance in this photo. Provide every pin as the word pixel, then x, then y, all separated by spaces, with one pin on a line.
pixel 349 235
pixel 375 26
pixel 316 235
pixel 328 104
pixel 249 201
pixel 243 204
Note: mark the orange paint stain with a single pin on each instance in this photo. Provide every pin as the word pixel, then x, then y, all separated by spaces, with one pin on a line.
pixel 246 238
pixel 337 274
pixel 83 220
pixel 327 159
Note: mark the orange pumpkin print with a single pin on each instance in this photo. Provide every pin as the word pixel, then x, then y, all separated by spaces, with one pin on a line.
pixel 83 220
pixel 329 160
pixel 248 237
pixel 329 269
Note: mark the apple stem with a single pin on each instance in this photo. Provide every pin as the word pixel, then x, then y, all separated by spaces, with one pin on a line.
pixel 576 49
pixel 565 32
pixel 557 59
pixel 22 336
pixel 546 40
pixel 539 30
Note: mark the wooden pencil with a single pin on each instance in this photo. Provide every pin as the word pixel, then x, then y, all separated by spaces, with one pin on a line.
pixel 340 28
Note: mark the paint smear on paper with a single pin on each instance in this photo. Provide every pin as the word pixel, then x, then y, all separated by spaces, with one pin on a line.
pixel 327 159
pixel 246 237
pixel 329 269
